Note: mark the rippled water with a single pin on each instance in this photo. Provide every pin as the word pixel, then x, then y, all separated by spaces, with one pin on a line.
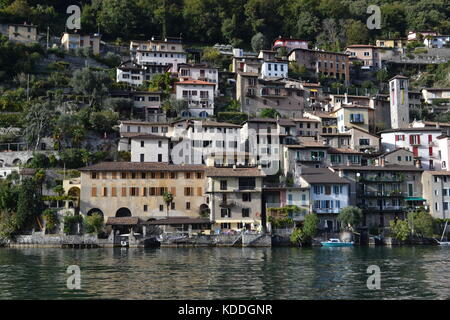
pixel 233 273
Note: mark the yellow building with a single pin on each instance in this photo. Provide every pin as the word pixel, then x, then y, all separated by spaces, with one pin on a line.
pixel 124 189
pixel 73 41
pixel 392 43
pixel 353 116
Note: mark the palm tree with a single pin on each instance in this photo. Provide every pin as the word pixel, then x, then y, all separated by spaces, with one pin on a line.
pixel 168 199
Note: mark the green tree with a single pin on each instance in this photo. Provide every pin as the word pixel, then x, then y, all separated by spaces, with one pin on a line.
pixel 259 42
pixel 103 121
pixel 29 204
pixel 94 223
pixel 421 223
pixel 118 17
pixel 38 123
pixel 305 233
pixel 350 217
pixel 400 229
pixel 356 32
pixel 92 84
pixel 269 113
pixel 168 199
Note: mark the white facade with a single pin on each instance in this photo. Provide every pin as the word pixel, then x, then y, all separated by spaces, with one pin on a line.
pixel 274 69
pixel 399 100
pixel 422 142
pixel 197 72
pixel 161 58
pixel 437 41
pixel 444 152
pixel 199 96
pixel 149 149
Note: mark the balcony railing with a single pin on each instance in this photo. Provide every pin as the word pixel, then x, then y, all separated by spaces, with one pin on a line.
pixel 309 159
pixel 394 194
pixel 326 210
pixel 376 179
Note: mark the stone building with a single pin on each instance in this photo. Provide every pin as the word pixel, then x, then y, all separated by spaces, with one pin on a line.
pixel 124 189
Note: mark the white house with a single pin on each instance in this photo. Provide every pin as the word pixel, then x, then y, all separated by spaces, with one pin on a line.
pixel 437 41
pixel 328 192
pixel 149 148
pixel 135 74
pixel 274 69
pixel 167 52
pixel 199 96
pixel 421 141
pixel 200 72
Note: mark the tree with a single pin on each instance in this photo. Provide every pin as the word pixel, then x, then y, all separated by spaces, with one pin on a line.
pixel 94 223
pixel 103 121
pixel 92 84
pixel 400 229
pixel 38 123
pixel 259 42
pixel 269 113
pixel 162 82
pixel 356 32
pixel 168 199
pixel 350 217
pixel 421 223
pixel 305 233
pixel 29 203
pixel 118 17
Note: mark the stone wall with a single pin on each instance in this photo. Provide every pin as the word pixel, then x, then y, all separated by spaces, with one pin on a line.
pixel 39 239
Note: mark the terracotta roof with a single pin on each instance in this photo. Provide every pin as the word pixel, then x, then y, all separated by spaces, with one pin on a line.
pixel 399 77
pixel 122 221
pixel 196 82
pixel 142 166
pixel 234 172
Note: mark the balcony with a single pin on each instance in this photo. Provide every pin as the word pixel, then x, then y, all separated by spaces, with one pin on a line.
pixel 309 159
pixel 377 179
pixel 385 209
pixel 326 210
pixel 379 194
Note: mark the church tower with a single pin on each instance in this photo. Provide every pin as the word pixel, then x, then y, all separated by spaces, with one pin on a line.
pixel 398 90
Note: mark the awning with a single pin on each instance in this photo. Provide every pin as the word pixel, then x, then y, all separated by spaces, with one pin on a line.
pixel 415 199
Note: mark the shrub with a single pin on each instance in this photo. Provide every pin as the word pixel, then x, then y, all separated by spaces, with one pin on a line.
pixel 51 219
pixel 232 117
pixel 94 223
pixel 70 222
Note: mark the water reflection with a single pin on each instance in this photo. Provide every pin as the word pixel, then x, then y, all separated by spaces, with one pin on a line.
pixel 234 273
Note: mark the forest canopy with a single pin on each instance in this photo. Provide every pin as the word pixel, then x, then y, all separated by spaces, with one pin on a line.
pixel 236 21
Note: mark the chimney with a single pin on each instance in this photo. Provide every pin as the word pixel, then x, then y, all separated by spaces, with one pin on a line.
pixel 346 98
pixel 382 162
pixel 234 167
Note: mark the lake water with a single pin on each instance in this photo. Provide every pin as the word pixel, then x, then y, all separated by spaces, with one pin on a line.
pixel 226 273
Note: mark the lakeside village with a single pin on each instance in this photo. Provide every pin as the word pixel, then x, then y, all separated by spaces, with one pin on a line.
pixel 290 145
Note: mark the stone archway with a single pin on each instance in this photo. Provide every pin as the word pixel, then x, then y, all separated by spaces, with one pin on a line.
pixel 123 212
pixel 17 162
pixel 95 210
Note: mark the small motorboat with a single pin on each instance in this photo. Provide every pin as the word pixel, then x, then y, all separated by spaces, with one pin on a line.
pixel 336 243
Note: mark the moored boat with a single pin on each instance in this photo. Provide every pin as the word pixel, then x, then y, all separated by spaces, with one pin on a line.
pixel 336 243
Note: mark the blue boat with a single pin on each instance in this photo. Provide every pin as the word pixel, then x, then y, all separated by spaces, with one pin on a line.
pixel 336 243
